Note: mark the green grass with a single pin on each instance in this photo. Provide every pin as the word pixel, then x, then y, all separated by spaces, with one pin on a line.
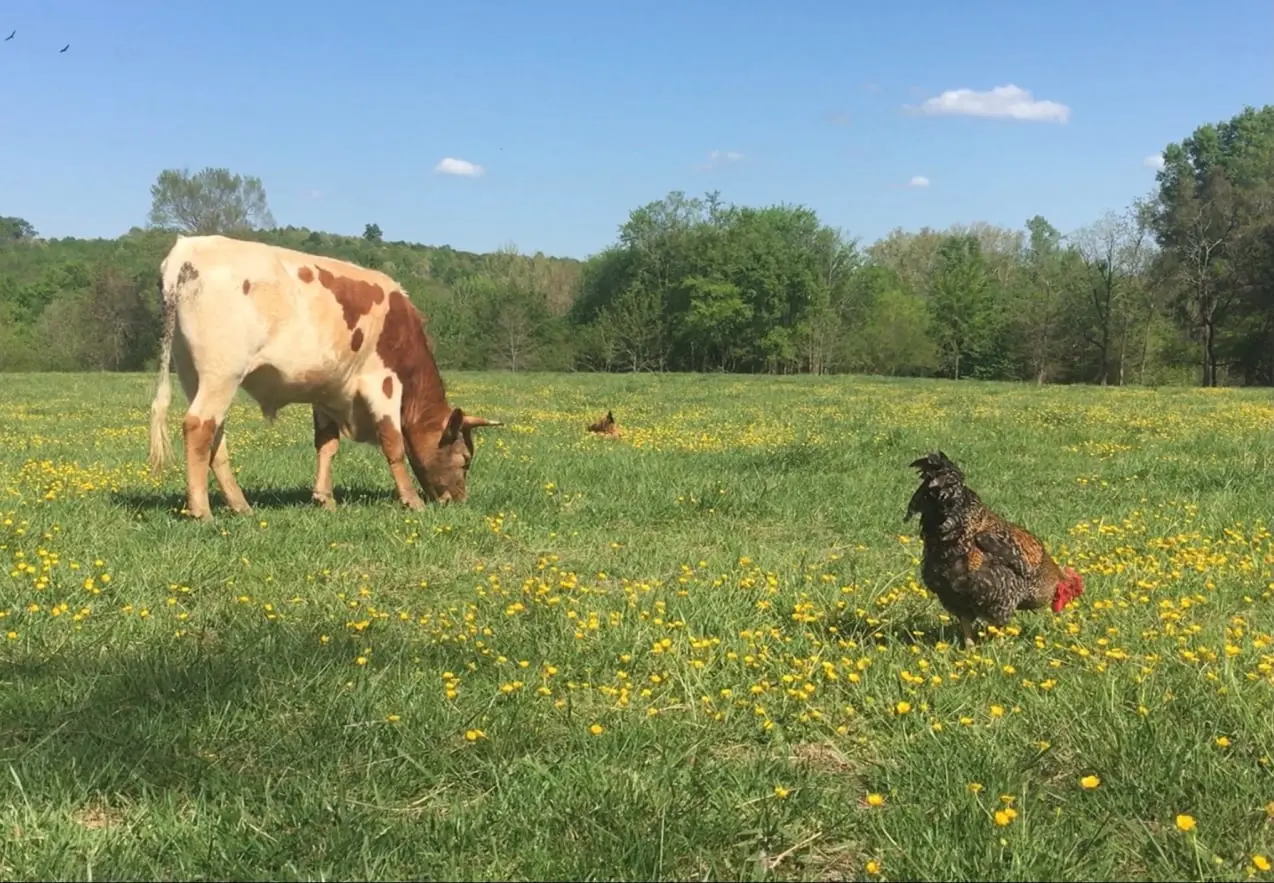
pixel 726 593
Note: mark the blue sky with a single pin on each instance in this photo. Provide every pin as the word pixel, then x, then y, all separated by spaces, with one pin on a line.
pixel 578 112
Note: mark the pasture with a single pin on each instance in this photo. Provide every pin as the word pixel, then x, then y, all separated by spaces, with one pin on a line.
pixel 698 652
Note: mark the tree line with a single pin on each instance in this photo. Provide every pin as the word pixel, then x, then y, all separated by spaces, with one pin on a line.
pixel 1176 288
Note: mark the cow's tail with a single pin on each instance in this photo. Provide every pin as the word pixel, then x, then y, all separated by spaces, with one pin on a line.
pixel 161 449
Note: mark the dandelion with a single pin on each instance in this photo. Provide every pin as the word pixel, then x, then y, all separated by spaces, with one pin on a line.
pixel 1004 817
pixel 873 867
pixel 1088 783
pixel 1185 823
pixel 780 792
pixel 1223 741
pixel 875 800
pixel 474 735
pixel 902 707
pixel 596 729
pixel 1261 863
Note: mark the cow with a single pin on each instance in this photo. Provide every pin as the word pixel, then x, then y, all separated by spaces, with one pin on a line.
pixel 291 327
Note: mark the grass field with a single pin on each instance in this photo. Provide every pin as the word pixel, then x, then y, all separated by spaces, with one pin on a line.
pixel 697 652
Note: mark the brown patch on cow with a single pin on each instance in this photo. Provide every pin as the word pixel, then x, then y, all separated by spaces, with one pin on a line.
pixel 606 426
pixel 247 286
pixel 356 341
pixel 356 296
pixel 305 274
pixel 186 274
pixel 388 387
pixel 201 430
pixel 403 349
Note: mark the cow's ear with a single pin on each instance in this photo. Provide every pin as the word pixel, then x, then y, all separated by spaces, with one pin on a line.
pixel 452 431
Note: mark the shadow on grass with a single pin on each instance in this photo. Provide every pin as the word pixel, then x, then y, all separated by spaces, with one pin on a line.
pixel 258 499
pixel 928 631
pixel 222 705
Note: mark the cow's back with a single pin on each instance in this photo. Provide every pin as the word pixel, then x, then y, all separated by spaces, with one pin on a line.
pixel 293 326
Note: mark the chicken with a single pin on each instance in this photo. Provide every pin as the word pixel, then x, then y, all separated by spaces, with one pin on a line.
pixel 978 564
pixel 606 426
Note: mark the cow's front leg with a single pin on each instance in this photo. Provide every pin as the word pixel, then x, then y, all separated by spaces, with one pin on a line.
pixel 327 440
pixel 383 399
pixel 390 434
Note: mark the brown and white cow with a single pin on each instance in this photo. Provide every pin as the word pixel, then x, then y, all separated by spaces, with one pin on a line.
pixel 290 327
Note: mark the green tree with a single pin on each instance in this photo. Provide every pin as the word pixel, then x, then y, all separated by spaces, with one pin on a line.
pixel 210 201
pixel 1211 218
pixel 960 302
pixel 1040 307
pixel 1113 252
pixel 16 230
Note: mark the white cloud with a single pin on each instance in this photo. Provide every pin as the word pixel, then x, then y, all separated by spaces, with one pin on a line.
pixel 918 181
pixel 716 157
pixel 1154 161
pixel 1003 102
pixel 462 167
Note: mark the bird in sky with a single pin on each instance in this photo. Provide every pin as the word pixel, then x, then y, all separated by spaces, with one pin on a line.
pixel 10 37
pixel 64 48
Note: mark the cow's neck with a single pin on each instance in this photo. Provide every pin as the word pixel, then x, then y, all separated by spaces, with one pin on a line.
pixel 425 409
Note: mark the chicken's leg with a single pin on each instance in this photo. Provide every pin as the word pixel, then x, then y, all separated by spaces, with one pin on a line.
pixel 966 629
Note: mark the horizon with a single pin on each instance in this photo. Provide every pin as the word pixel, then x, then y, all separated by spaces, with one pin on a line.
pixel 589 113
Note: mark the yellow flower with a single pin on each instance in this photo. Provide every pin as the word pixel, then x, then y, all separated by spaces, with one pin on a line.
pixel 780 792
pixel 875 800
pixel 1185 822
pixel 902 707
pixel 1088 783
pixel 1261 863
pixel 474 735
pixel 392 718
pixel 1223 741
pixel 997 711
pixel 975 787
pixel 597 729
pixel 1002 817
pixel 873 867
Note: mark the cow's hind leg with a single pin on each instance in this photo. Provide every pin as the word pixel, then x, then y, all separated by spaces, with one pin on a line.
pixel 327 440
pixel 201 430
pixel 225 475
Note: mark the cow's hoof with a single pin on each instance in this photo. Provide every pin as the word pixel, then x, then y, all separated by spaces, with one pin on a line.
pixel 245 509
pixel 415 504
pixel 325 503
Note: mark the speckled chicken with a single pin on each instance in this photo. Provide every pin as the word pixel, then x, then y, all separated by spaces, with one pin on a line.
pixel 978 564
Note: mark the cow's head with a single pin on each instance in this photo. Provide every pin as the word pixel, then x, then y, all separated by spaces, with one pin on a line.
pixel 441 459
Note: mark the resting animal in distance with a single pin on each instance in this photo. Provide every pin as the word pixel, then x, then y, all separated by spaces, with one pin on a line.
pixel 980 565
pixel 291 327
pixel 606 426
